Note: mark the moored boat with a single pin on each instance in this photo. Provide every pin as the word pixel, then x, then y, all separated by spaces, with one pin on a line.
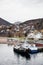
pixel 39 43
pixel 26 48
pixel 18 49
pixel 31 48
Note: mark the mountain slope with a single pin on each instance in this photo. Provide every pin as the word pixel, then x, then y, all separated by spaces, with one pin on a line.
pixel 37 23
pixel 4 22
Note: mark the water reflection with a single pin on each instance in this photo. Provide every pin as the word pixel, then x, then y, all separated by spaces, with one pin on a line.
pixel 9 57
pixel 18 55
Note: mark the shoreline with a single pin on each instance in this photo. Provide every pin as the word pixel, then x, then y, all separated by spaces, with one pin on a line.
pixel 11 40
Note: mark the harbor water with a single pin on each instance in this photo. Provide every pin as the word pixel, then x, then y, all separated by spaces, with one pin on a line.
pixel 9 57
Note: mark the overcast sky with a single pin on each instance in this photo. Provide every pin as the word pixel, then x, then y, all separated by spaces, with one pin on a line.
pixel 21 10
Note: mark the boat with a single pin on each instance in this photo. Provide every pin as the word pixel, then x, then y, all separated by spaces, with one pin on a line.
pixel 39 43
pixel 36 38
pixel 26 48
pixel 20 50
pixel 33 49
pixel 30 47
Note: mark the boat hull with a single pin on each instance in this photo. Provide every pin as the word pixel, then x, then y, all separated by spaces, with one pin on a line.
pixel 33 51
pixel 22 52
pixel 39 44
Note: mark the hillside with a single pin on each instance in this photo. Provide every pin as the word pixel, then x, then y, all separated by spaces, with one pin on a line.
pixel 4 22
pixel 37 23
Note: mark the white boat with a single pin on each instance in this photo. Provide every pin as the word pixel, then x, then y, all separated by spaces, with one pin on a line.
pixel 33 49
pixel 30 47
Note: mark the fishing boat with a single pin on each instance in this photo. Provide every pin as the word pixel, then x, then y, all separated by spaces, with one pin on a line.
pixel 30 47
pixel 36 38
pixel 20 50
pixel 33 49
pixel 39 43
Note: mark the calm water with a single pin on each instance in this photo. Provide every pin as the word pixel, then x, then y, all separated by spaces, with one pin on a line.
pixel 8 57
